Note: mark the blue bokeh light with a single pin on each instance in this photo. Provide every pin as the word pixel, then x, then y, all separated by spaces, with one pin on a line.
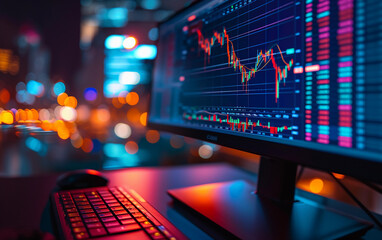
pixel 145 52
pixel 90 94
pixel 114 42
pixel 59 88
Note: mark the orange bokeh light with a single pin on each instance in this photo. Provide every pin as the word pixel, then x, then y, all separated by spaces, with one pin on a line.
pixel 61 98
pixel 133 115
pixel 46 125
pixel 87 145
pixel 70 102
pixel 143 119
pixel 316 185
pixel 152 136
pixel 132 98
pixel 131 147
pixel 6 117
pixel 4 96
pixel 34 114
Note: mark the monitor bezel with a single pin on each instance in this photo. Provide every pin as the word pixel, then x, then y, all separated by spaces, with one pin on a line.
pixel 360 168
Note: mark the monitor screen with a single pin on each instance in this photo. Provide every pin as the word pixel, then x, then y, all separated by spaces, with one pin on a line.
pixel 263 75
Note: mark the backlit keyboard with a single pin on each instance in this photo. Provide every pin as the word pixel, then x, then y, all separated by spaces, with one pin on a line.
pixel 98 212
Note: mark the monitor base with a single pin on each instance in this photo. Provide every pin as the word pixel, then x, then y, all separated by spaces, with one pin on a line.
pixel 233 210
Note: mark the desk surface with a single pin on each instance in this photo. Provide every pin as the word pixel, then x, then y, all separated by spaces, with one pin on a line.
pixel 23 200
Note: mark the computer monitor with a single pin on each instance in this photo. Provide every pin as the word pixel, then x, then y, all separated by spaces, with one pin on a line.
pixel 299 82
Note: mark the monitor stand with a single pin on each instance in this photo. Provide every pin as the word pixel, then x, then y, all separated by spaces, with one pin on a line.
pixel 234 210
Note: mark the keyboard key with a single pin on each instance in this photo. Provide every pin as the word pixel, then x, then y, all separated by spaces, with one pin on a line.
pixel 94 225
pixel 137 215
pixel 87 211
pixel 99 207
pixel 73 215
pixel 108 219
pixel 157 236
pixel 146 224
pixel 120 217
pixel 128 221
pixel 84 207
pixel 124 228
pixel 103 210
pixel 79 229
pixel 71 210
pixel 151 230
pixel 82 235
pixel 75 219
pixel 109 214
pixel 120 212
pixel 114 205
pixel 117 208
pixel 96 232
pixel 142 219
pixel 77 224
pixel 91 220
pixel 112 224
pixel 89 215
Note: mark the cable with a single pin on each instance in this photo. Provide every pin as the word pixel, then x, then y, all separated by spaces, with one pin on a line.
pixel 360 204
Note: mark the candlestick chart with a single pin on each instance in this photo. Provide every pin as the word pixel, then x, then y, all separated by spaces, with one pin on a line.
pixel 247 73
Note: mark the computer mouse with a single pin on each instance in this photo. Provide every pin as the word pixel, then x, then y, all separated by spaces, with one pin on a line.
pixel 84 178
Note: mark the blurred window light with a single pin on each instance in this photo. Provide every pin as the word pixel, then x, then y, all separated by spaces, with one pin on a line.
pixel 114 42
pixel 129 42
pixel 35 88
pixel 122 130
pixel 129 78
pixel 150 4
pixel 90 94
pixel 145 52
pixel 59 88
pixel 153 34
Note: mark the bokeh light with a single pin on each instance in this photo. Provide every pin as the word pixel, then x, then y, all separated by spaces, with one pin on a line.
pixel 68 114
pixel 90 94
pixel 35 88
pixel 316 185
pixel 6 117
pixel 131 147
pixel 4 96
pixel 87 145
pixel 176 141
pixel 129 42
pixel 59 88
pixel 338 176
pixel 132 98
pixel 152 136
pixel 71 102
pixel 61 98
pixel 133 115
pixel 44 114
pixel 205 151
pixel 122 130
pixel 143 119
